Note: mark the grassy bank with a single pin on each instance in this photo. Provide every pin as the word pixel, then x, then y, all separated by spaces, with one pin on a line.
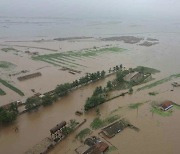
pixel 83 133
pixel 177 106
pixel 146 70
pixel 8 49
pixel 135 106
pixel 160 112
pixel 5 83
pixel 153 93
pixel 159 82
pixel 99 123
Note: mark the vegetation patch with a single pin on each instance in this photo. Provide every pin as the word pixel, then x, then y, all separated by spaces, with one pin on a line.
pixel 159 82
pixel 155 109
pixel 69 128
pixel 8 115
pixel 146 70
pixel 135 106
pixel 83 133
pixel 99 123
pixel 9 49
pixel 116 110
pixel 5 83
pixel 2 92
pixel 153 93
pixel 5 65
pixel 177 106
pixel 111 149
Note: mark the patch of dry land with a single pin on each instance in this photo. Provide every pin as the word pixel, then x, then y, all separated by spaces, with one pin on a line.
pixel 125 92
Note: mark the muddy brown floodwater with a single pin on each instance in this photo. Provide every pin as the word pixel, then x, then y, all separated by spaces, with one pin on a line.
pixel 157 134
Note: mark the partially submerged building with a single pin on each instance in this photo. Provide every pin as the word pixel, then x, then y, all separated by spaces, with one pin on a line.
pixel 111 130
pixel 92 145
pixel 101 147
pixel 58 127
pixel 56 132
pixel 166 105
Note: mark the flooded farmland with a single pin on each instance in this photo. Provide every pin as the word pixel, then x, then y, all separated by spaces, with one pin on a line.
pixel 46 52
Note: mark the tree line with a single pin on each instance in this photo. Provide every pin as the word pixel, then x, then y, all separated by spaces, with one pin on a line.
pixel 100 95
pixel 10 114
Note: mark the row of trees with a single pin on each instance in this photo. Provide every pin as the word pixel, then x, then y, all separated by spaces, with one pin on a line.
pixel 116 68
pixel 98 97
pixel 63 89
pixel 36 102
pixel 10 114
pixel 100 94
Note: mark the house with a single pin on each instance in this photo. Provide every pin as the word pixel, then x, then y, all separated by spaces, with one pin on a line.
pixel 166 105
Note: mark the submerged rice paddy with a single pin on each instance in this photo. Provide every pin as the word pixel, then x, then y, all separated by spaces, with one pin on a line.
pixel 71 59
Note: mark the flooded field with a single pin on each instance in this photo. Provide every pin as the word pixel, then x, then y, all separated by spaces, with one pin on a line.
pixel 60 61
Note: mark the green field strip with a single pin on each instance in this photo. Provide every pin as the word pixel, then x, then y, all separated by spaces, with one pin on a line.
pixel 69 62
pixel 2 92
pixel 58 61
pixel 6 84
pixel 50 62
pixel 68 58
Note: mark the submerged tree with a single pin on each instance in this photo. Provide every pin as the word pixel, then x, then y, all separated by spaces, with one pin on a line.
pixel 109 85
pixel 47 100
pixel 7 116
pixel 98 90
pixel 103 73
pixel 32 103
pixel 131 90
pixel 119 77
pixel 94 101
pixel 63 89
